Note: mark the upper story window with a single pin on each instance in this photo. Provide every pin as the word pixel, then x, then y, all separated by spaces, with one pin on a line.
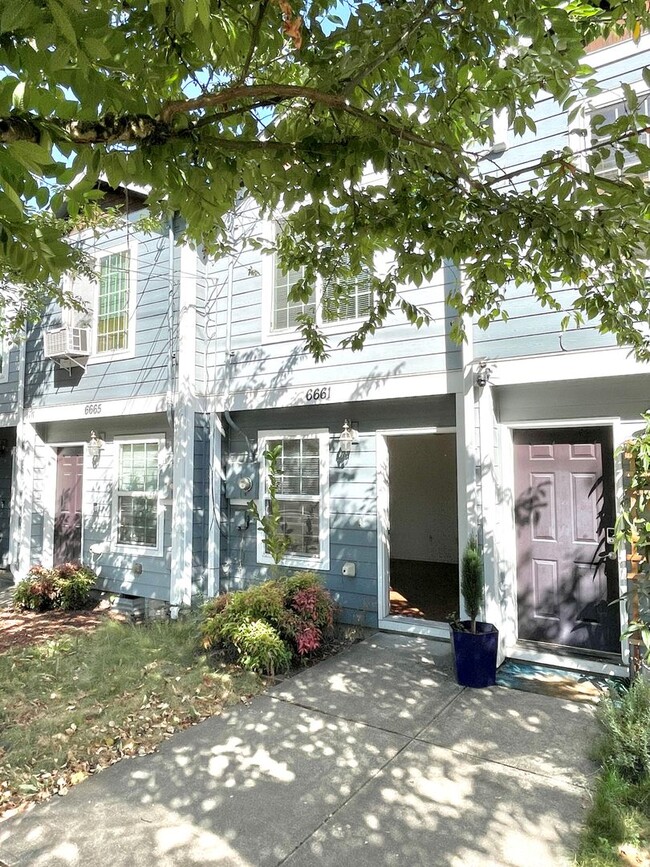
pixel 605 112
pixel 109 304
pixel 284 315
pixel 4 359
pixel 286 312
pixel 303 496
pixel 113 307
pixel 138 516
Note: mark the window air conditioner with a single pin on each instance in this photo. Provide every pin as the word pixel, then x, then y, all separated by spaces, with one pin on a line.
pixel 67 342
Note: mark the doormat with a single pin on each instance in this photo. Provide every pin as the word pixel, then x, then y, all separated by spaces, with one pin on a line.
pixel 558 682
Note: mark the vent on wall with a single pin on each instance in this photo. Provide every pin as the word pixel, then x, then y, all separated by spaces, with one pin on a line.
pixel 67 346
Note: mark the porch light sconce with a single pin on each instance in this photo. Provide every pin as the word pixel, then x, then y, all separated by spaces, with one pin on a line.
pixel 483 374
pixel 95 446
pixel 347 438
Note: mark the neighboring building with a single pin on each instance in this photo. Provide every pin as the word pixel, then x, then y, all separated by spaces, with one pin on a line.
pixel 187 369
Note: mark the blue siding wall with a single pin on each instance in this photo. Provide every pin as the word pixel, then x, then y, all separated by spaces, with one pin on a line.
pixel 352 489
pixel 251 364
pixel 9 387
pixel 147 372
pixel 201 516
pixel 531 329
pixel 115 569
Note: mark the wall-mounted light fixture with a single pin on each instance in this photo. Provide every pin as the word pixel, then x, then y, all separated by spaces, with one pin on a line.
pixel 347 438
pixel 483 374
pixel 95 446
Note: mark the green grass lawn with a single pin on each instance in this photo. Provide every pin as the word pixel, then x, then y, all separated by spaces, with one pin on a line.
pixel 71 707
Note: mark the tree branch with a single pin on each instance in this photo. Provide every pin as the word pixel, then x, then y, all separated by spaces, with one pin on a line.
pixel 255 35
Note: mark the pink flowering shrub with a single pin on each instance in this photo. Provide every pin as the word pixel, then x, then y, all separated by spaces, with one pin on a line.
pixel 66 586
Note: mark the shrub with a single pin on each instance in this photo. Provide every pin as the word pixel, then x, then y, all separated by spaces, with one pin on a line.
pixel 67 586
pixel 74 583
pixel 268 625
pixel 625 747
pixel 37 591
pixel 260 646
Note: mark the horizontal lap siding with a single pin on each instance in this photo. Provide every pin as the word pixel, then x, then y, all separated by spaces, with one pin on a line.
pixel 624 397
pixel 115 569
pixel 145 374
pixel 530 328
pixel 259 361
pixel 9 389
pixel 201 510
pixel 352 493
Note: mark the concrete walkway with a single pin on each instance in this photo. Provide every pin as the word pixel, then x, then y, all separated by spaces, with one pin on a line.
pixel 374 757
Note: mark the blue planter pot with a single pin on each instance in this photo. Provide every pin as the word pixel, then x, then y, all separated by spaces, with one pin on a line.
pixel 475 656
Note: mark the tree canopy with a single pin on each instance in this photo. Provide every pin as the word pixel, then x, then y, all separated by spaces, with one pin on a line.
pixel 294 101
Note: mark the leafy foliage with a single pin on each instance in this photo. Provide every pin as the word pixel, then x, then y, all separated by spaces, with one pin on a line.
pixel 633 530
pixel 471 580
pixel 276 540
pixel 625 745
pixel 294 101
pixel 67 586
pixel 268 625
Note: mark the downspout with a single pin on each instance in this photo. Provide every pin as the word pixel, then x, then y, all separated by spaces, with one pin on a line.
pixel 171 355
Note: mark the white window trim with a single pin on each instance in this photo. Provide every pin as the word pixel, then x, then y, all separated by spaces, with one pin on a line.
pixel 580 134
pixel 5 352
pixel 139 550
pixel 322 562
pixel 277 335
pixel 129 352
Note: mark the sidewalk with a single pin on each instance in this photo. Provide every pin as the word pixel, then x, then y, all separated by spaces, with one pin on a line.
pixel 374 757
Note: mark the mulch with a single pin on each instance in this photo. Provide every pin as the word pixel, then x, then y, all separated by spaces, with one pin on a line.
pixel 20 628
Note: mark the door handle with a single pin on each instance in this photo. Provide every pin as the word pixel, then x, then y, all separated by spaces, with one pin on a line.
pixel 608 555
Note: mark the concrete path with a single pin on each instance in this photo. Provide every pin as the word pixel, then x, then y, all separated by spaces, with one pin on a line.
pixel 374 757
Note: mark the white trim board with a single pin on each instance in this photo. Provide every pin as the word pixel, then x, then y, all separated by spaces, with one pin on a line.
pixel 149 405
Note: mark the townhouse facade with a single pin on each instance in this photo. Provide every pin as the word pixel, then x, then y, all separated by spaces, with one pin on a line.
pixel 133 437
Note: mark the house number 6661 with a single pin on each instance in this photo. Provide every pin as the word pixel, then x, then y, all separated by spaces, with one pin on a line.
pixel 318 393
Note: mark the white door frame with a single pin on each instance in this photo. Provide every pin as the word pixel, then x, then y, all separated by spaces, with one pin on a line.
pixel 397 623
pixel 510 544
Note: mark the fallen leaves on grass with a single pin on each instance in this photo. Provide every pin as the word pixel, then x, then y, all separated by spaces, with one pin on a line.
pixel 88 703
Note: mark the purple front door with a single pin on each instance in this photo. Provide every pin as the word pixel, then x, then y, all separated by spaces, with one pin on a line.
pixel 67 515
pixel 564 505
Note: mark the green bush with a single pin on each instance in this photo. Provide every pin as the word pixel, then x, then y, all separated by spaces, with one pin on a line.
pixel 260 646
pixel 67 586
pixel 625 746
pixel 268 625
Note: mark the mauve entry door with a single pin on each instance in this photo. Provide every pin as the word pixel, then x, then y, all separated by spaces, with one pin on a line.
pixel 67 515
pixel 564 505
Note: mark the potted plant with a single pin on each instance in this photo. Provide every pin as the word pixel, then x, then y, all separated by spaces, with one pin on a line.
pixel 474 643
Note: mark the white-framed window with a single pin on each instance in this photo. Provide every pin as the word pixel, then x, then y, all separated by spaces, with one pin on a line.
pixel 282 314
pixel 303 496
pixel 604 110
pixel 4 359
pixel 109 302
pixel 138 513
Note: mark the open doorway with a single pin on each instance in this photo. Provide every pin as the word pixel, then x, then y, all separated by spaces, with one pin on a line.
pixel 423 526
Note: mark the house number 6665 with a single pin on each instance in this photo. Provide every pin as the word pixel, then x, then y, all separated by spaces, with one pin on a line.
pixel 318 393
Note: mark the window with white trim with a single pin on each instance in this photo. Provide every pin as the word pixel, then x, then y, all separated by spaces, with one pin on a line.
pixel 4 359
pixel 138 516
pixel 601 114
pixel 113 305
pixel 354 303
pixel 109 304
pixel 302 496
